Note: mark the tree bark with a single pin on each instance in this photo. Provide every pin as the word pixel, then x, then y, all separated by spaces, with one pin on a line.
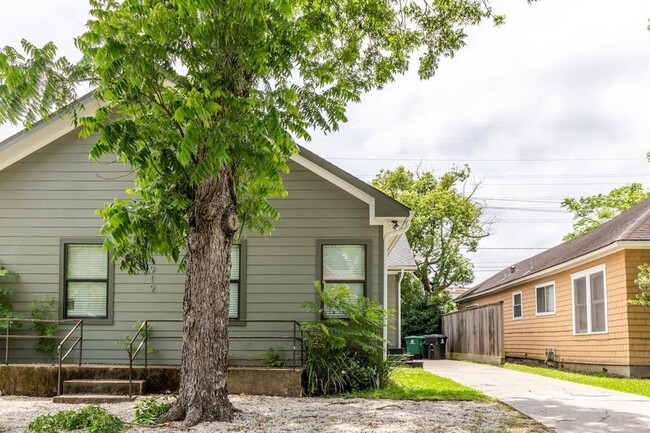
pixel 203 394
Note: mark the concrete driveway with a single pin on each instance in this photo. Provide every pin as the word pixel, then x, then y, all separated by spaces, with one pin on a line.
pixel 566 406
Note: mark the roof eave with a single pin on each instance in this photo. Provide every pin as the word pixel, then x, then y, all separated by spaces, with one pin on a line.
pixel 594 255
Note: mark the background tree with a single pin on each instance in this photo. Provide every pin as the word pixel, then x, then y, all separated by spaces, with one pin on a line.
pixel 592 211
pixel 643 282
pixel 422 311
pixel 447 223
pixel 205 101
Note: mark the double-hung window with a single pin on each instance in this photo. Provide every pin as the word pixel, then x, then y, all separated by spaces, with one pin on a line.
pixel 545 298
pixel 86 281
pixel 235 281
pixel 517 306
pixel 344 264
pixel 589 301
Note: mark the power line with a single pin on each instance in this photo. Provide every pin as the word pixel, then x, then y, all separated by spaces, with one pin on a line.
pixel 513 248
pixel 529 209
pixel 356 158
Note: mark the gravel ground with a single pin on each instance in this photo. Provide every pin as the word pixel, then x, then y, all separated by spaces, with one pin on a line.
pixel 327 415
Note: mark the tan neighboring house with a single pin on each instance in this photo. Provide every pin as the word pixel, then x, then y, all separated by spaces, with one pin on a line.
pixel 569 304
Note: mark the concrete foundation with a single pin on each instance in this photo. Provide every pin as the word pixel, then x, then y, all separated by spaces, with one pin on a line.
pixel 41 380
pixel 486 359
pixel 630 371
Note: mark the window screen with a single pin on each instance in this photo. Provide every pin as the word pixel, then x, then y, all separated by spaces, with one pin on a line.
pixel 86 281
pixel 545 299
pixel 344 265
pixel 235 281
pixel 517 311
pixel 589 307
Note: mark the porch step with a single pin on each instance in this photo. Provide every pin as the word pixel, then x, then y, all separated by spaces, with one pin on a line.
pixel 103 387
pixel 90 399
pixel 414 363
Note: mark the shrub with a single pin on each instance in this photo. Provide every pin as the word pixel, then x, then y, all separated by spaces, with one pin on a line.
pixel 124 342
pixel 45 308
pixel 272 358
pixel 92 419
pixel 344 354
pixel 149 410
pixel 6 309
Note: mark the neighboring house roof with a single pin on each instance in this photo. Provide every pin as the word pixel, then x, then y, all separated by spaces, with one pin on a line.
pixel 383 210
pixel 632 225
pixel 401 256
pixel 455 292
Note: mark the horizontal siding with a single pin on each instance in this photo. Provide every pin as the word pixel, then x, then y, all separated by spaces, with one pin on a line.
pixel 531 335
pixel 639 317
pixel 53 194
pixel 392 305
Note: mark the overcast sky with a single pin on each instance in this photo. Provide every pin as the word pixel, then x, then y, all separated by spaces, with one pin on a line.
pixel 554 104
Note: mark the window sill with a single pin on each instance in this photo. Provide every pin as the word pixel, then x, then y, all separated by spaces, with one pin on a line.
pixel 518 318
pixel 236 322
pixel 580 334
pixel 550 313
pixel 91 321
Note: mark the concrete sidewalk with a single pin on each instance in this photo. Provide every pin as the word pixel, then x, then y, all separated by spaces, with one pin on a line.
pixel 566 406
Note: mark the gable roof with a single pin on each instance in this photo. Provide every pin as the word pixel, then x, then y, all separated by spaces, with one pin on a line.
pixel 401 256
pixel 382 208
pixel 632 225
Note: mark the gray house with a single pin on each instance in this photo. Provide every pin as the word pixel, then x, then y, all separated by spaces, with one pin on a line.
pixel 334 227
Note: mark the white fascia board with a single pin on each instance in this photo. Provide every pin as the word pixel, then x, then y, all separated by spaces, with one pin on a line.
pixel 56 128
pixel 594 255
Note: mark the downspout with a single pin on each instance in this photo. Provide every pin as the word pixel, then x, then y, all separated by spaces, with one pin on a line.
pixel 399 309
pixel 387 236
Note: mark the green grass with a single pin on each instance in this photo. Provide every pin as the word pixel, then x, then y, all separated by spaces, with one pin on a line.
pixel 632 386
pixel 417 384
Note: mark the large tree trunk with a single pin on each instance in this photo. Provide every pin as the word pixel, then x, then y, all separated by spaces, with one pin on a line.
pixel 203 394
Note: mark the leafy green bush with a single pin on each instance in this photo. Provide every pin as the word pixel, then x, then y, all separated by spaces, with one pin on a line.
pixel 124 342
pixel 422 311
pixel 92 419
pixel 45 308
pixel 344 354
pixel 6 309
pixel 149 410
pixel 272 358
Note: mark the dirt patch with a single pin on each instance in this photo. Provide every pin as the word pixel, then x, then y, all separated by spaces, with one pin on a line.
pixel 278 414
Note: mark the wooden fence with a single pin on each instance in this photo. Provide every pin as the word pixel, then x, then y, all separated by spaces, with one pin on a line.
pixel 475 334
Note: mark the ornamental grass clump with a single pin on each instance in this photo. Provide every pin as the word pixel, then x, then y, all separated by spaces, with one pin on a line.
pixel 344 350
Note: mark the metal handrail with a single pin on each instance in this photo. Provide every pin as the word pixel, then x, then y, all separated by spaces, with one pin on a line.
pixel 7 336
pixel 59 350
pixel 142 331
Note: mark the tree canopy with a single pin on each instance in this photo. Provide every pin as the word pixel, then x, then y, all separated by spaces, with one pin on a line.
pixel 447 223
pixel 205 100
pixel 592 211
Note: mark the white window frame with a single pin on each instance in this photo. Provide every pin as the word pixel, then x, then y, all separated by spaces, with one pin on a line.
pixel 586 273
pixel 541 286
pixel 521 296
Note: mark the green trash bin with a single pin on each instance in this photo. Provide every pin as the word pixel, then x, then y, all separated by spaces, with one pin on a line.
pixel 414 345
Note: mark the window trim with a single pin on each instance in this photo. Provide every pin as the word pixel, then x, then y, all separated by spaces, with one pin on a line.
pixel 367 243
pixel 241 308
pixel 586 273
pixel 541 286
pixel 521 296
pixel 110 283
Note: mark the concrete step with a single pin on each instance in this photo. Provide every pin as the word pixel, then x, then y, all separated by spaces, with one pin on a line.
pixel 105 387
pixel 415 363
pixel 90 399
